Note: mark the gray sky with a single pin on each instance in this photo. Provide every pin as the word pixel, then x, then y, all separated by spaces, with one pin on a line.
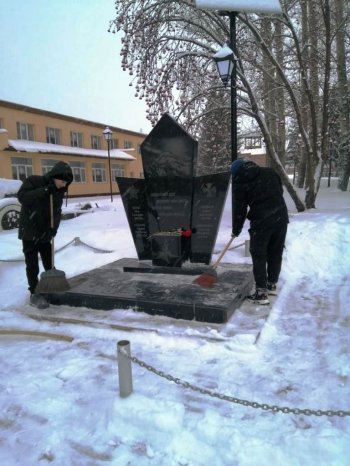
pixel 57 55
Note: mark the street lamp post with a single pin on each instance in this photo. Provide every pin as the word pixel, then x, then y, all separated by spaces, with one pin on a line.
pixel 107 133
pixel 226 65
pixel 231 8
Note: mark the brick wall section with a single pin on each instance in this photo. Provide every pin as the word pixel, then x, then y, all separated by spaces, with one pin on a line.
pixel 259 159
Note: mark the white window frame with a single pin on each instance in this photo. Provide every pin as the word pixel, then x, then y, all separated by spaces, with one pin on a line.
pixel 76 139
pixel 95 142
pixel 53 135
pixel 79 171
pixel 21 167
pixel 25 131
pixel 99 172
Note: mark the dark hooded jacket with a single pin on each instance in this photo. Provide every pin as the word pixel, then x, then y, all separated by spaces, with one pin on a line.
pixel 259 189
pixel 34 223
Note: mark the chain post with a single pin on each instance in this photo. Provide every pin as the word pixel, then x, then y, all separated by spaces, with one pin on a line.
pixel 124 368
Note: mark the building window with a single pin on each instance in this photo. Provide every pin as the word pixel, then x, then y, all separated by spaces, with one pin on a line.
pixel 117 170
pixel 76 139
pixel 22 167
pixel 53 135
pixel 98 173
pixel 127 145
pixel 78 169
pixel 114 143
pixel 25 131
pixel 47 165
pixel 96 142
pixel 253 143
pixel 139 148
pixel 2 123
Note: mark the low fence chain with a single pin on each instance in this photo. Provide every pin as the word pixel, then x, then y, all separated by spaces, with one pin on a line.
pixel 76 241
pixel 231 399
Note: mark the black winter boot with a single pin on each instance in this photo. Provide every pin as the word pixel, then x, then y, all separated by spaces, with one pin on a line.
pixel 37 300
pixel 259 297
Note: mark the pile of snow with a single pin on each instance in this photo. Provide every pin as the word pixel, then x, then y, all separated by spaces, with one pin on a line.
pixel 9 188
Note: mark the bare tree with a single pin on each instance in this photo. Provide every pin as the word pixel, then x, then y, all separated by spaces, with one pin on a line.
pixel 167 47
pixel 214 146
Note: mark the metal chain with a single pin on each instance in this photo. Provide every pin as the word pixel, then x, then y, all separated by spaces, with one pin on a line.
pixel 76 241
pixel 231 399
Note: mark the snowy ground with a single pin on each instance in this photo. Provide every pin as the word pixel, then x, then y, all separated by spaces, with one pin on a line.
pixel 59 401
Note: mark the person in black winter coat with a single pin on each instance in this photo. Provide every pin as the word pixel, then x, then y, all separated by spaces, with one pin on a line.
pixel 35 224
pixel 258 196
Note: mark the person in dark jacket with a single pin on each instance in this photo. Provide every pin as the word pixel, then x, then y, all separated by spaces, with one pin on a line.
pixel 258 196
pixel 35 224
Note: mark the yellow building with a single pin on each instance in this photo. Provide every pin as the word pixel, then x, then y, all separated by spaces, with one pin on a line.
pixel 33 140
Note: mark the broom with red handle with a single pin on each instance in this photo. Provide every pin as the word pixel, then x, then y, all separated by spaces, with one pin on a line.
pixel 53 280
pixel 208 278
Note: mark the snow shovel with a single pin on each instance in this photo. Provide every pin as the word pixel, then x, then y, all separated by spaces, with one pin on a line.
pixel 208 278
pixel 52 281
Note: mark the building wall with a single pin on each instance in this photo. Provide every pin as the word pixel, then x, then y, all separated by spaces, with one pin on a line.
pixel 259 159
pixel 11 113
pixel 253 149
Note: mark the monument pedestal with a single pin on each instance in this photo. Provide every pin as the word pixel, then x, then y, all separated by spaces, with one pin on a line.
pixel 169 294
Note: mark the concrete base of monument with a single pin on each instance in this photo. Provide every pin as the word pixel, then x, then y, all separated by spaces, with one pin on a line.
pixel 159 291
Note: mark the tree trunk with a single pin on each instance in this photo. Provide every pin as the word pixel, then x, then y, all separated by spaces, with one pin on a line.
pixel 310 184
pixel 267 84
pixel 280 98
pixel 343 96
pixel 304 99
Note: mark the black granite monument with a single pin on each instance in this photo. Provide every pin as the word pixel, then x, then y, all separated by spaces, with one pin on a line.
pixel 173 215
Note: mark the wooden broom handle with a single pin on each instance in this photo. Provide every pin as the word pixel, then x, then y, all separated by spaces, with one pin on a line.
pixel 52 239
pixel 223 252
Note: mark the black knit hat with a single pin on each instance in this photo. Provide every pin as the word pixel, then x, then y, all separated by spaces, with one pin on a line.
pixel 237 164
pixel 64 177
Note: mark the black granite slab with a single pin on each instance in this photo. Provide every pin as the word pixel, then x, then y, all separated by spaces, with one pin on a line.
pixel 173 295
pixel 209 197
pixel 134 198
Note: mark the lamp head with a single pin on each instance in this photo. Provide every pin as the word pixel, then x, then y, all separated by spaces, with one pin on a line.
pixel 224 60
pixel 107 133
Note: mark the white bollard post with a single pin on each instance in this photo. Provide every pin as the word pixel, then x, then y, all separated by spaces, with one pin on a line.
pixel 246 248
pixel 124 368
